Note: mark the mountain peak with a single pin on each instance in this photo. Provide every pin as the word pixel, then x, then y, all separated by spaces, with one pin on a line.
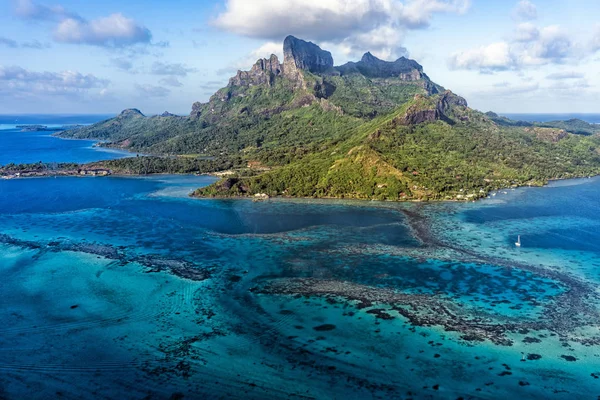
pixel 131 112
pixel 303 55
pixel 368 57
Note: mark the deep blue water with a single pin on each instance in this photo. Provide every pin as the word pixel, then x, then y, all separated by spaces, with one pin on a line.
pixel 312 299
pixel 52 119
pixel 590 118
pixel 32 147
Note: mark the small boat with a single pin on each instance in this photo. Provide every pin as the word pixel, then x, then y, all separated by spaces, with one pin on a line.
pixel 518 244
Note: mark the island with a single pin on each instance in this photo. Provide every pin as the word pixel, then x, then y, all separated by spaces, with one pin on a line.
pixel 371 129
pixel 43 128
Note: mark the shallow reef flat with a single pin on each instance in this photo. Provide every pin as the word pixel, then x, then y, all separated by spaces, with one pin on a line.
pixel 131 287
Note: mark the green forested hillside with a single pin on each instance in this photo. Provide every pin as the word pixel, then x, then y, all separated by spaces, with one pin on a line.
pixel 463 157
pixel 369 130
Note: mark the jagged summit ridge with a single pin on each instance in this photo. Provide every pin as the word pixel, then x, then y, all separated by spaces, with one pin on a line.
pixel 300 55
pixel 263 72
pixel 373 67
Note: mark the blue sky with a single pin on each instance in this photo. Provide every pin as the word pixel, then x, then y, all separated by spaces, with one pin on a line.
pixel 69 56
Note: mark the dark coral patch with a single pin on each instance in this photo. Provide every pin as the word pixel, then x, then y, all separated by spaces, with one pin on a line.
pixel 569 358
pixel 324 327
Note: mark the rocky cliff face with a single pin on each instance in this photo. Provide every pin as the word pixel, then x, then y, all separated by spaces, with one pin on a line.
pixel 448 100
pixel 263 72
pixel 196 110
pixel 302 55
pixel 299 56
pixel 426 109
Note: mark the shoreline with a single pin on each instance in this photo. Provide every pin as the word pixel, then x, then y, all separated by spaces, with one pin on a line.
pixel 487 195
pixel 107 172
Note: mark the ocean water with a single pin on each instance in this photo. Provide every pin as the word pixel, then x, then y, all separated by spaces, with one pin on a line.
pixel 590 118
pixel 32 147
pixel 127 288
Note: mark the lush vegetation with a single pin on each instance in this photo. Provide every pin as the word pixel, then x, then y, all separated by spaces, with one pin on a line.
pixel 141 165
pixel 464 158
pixel 167 165
pixel 349 135
pixel 39 166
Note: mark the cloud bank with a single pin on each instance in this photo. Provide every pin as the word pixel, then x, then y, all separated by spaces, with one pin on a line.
pixel 355 25
pixel 114 30
pixel 18 80
pixel 529 46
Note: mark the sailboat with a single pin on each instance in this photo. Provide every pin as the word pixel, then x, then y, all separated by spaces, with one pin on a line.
pixel 518 244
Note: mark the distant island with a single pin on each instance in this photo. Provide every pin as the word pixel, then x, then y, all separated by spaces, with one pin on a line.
pixel 44 128
pixel 370 129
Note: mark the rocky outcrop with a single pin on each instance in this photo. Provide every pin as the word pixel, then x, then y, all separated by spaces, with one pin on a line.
pixel 196 110
pixel 415 117
pixel 424 110
pixel 263 72
pixel 448 100
pixel 551 135
pixel 307 56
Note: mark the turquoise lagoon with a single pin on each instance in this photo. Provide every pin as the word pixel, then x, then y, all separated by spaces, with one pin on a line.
pixel 127 288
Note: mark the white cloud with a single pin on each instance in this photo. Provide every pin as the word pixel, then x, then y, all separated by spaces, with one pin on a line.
pixel 418 13
pixel 494 57
pixel 147 90
pixel 506 89
pixel 525 10
pixel 571 86
pixel 29 10
pixel 14 79
pixel 526 32
pixel 171 81
pixel 123 64
pixel 531 47
pixel 161 68
pixel 552 46
pixel 35 44
pixel 115 30
pixel 355 25
pixel 8 42
pixel 595 44
pixel 13 44
pixel 384 42
pixel 244 63
pixel 557 76
pixel 266 50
